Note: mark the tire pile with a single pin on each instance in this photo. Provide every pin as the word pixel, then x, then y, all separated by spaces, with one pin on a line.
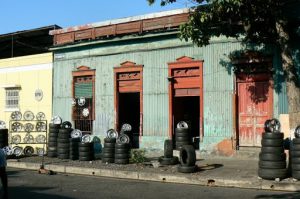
pixel 108 152
pixel 63 143
pixel 122 153
pixel 295 155
pixel 86 151
pixel 3 138
pixel 182 135
pixel 74 148
pixel 272 159
pixel 168 158
pixel 52 140
pixel 187 159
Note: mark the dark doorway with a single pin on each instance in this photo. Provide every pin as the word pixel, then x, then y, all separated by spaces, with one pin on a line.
pixel 188 109
pixel 129 112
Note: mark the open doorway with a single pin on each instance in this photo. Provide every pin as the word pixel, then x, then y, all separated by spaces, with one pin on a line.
pixel 129 112
pixel 187 109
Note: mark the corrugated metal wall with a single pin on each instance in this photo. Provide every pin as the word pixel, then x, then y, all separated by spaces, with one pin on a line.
pixel 154 54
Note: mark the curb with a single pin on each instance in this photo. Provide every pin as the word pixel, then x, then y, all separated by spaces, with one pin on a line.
pixel 160 177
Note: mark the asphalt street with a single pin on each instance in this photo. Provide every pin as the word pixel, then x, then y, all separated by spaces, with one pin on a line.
pixel 31 185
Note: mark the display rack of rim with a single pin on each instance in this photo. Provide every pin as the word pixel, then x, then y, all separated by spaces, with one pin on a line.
pixel 27 136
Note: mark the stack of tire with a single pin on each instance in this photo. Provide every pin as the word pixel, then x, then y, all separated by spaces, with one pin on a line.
pixel 295 155
pixel 122 153
pixel 86 151
pixel 52 140
pixel 168 158
pixel 108 152
pixel 187 159
pixel 63 141
pixel 3 138
pixel 272 159
pixel 182 135
pixel 74 148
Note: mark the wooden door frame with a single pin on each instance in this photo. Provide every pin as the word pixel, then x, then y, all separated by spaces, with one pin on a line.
pixel 185 62
pixel 243 78
pixel 127 67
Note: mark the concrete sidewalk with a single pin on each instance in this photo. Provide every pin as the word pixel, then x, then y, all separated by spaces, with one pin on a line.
pixel 224 172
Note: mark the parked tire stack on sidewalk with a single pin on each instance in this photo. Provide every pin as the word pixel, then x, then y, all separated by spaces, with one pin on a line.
pixel 108 152
pixel 86 150
pixel 272 159
pixel 295 154
pixel 74 148
pixel 63 142
pixel 182 135
pixel 187 159
pixel 3 135
pixel 52 139
pixel 122 153
pixel 168 158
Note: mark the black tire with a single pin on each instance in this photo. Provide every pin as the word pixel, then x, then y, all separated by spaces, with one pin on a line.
pixel 63 145
pixel 109 150
pixel 54 126
pixel 51 154
pixel 168 161
pixel 88 144
pixel 295 160
pixel 295 153
pixel 54 131
pixel 272 135
pixel 85 149
pixel 121 151
pixel 122 156
pixel 110 140
pixel 181 131
pixel 52 144
pixel 186 169
pixel 122 146
pixel 296 141
pixel 85 158
pixel 63 156
pixel 187 155
pixel 63 140
pixel 272 149
pixel 74 140
pixel 296 174
pixel 108 155
pixel 63 136
pixel 272 157
pixel 63 150
pixel 72 157
pixel 296 167
pixel 122 161
pixel 180 144
pixel 271 164
pixel 168 149
pixel 108 160
pixel 182 139
pixel 85 154
pixel 52 148
pixel 53 135
pixel 65 131
pixel 295 147
pixel 109 145
pixel 271 174
pixel 271 142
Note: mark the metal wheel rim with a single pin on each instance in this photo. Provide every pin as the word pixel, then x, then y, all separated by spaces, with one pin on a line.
pixel 86 139
pixel 56 120
pixel 2 124
pixel 76 133
pixel 112 133
pixel 40 116
pixel 17 150
pixel 16 126
pixel 125 127
pixel 16 139
pixel 40 151
pixel 297 132
pixel 40 126
pixel 16 115
pixel 85 112
pixel 8 150
pixel 123 139
pixel 66 125
pixel 81 101
pixel 28 127
pixel 182 125
pixel 28 116
pixel 40 139
pixel 73 102
pixel 28 139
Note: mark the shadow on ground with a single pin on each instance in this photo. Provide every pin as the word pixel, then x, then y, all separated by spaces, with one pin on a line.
pixel 293 195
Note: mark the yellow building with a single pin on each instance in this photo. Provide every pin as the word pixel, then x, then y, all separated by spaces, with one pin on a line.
pixel 26 86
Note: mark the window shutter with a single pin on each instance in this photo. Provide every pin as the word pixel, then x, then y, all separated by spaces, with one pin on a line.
pixel 84 90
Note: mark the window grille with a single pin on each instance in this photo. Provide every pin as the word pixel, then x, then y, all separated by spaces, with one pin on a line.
pixel 12 98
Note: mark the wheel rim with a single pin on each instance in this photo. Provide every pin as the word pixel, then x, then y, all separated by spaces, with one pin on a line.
pixel 2 124
pixel 28 116
pixel 112 133
pixel 182 125
pixel 40 116
pixel 16 115
pixel 76 133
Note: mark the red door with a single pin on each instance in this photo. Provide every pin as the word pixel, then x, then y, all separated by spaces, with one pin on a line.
pixel 255 106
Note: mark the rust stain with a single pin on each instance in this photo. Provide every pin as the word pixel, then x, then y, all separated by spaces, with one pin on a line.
pixel 225 147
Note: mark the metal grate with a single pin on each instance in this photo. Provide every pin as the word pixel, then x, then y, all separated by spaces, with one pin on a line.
pixel 85 124
pixel 12 98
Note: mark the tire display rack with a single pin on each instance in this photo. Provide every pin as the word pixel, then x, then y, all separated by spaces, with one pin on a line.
pixel 30 136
